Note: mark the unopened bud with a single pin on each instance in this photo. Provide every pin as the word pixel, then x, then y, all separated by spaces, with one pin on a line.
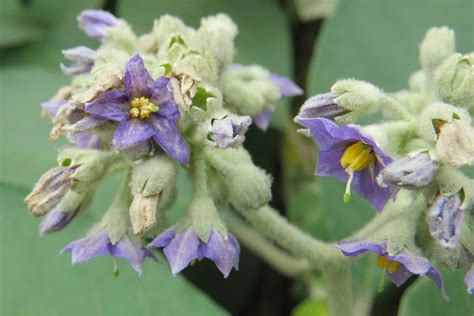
pixel 230 130
pixel 444 219
pixel 321 105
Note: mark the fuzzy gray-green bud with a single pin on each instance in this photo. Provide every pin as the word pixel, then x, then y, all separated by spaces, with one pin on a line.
pixel 438 44
pixel 248 186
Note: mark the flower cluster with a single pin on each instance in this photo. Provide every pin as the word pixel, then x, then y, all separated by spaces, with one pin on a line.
pixel 147 105
pixel 414 154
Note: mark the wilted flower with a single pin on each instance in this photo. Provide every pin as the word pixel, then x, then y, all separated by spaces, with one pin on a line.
pixel 350 156
pixel 455 144
pixel 49 190
pixel 444 219
pixel 145 110
pixel 321 105
pixel 95 23
pixel 56 220
pixel 399 266
pixel 230 130
pixel 181 248
pixel 99 244
pixel 411 172
pixel 82 60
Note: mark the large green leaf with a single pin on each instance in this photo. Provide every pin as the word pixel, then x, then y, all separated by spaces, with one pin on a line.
pixel 423 297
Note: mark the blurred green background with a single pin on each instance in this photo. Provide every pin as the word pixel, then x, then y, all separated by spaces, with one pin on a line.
pixel 371 40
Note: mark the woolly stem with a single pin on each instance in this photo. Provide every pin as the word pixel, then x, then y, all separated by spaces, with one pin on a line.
pixel 265 249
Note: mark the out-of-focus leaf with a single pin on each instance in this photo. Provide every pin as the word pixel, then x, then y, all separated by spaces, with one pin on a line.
pixel 15 28
pixel 311 307
pixel 423 297
pixel 37 280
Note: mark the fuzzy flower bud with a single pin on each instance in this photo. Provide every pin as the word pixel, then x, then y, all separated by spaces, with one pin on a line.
pixel 322 105
pixel 82 59
pixel 96 22
pixel 455 80
pixel 410 172
pixel 230 130
pixel 437 45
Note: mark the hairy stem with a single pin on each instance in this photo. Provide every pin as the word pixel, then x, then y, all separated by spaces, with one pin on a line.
pixel 265 249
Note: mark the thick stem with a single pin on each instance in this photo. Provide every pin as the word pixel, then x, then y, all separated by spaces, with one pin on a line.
pixel 265 249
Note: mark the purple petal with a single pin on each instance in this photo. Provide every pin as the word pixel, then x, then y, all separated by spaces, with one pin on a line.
pixel 56 220
pixel 127 250
pixel 321 105
pixel 262 119
pixel 434 275
pixel 287 87
pixel 138 82
pixel 163 239
pixel 167 135
pixel 132 132
pixel 161 92
pixel 95 23
pixel 87 140
pixel 230 130
pixel 182 250
pixel 400 276
pixel 353 248
pixel 469 280
pixel 88 247
pixel 53 106
pixel 82 59
pixel 111 105
pixel 224 253
pixel 444 219
pixel 365 184
pixel 329 165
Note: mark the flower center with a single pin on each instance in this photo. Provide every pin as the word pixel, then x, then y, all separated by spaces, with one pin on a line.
pixel 386 264
pixel 357 157
pixel 142 108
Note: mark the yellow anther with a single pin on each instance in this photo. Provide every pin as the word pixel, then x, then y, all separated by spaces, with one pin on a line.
pixel 142 107
pixel 386 264
pixel 357 157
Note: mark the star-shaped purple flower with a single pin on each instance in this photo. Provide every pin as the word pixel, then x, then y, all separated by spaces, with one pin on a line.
pixel 350 156
pixel 181 248
pixel 99 244
pixel 287 89
pixel 146 110
pixel 399 267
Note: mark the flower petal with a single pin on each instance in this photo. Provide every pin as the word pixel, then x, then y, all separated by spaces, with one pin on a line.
pixel 95 22
pixel 52 107
pixel 127 250
pixel 182 250
pixel 287 87
pixel 352 248
pixel 445 218
pixel 224 253
pixel 111 105
pixel 163 239
pixel 88 247
pixel 167 135
pixel 56 220
pixel 132 132
pixel 138 82
pixel 262 119
pixel 400 276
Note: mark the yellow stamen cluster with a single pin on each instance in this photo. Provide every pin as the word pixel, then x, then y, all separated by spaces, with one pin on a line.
pixel 386 264
pixel 142 108
pixel 357 157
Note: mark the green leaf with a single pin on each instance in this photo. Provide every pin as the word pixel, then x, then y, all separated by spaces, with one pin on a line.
pixel 423 297
pixel 37 280
pixel 311 307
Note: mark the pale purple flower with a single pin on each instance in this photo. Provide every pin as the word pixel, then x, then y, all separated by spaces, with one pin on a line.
pixel 88 140
pixel 145 110
pixel 410 263
pixel 333 141
pixel 99 244
pixel 444 219
pixel 322 105
pixel 469 280
pixel 287 89
pixel 52 107
pixel 96 22
pixel 56 220
pixel 181 248
pixel 230 130
pixel 82 60
pixel 410 172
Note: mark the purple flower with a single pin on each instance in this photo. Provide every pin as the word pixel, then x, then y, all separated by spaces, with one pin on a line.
pixel 230 130
pixel 87 140
pixel 145 110
pixel 287 89
pixel 82 59
pixel 56 220
pixel 322 105
pixel 348 155
pixel 95 23
pixel 399 267
pixel 99 244
pixel 52 107
pixel 444 219
pixel 181 248
pixel 469 280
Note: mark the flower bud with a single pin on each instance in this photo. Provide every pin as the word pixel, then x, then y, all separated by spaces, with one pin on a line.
pixel 437 45
pixel 322 105
pixel 56 220
pixel 96 22
pixel 230 130
pixel 410 172
pixel 444 219
pixel 49 190
pixel 455 80
pixel 82 59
